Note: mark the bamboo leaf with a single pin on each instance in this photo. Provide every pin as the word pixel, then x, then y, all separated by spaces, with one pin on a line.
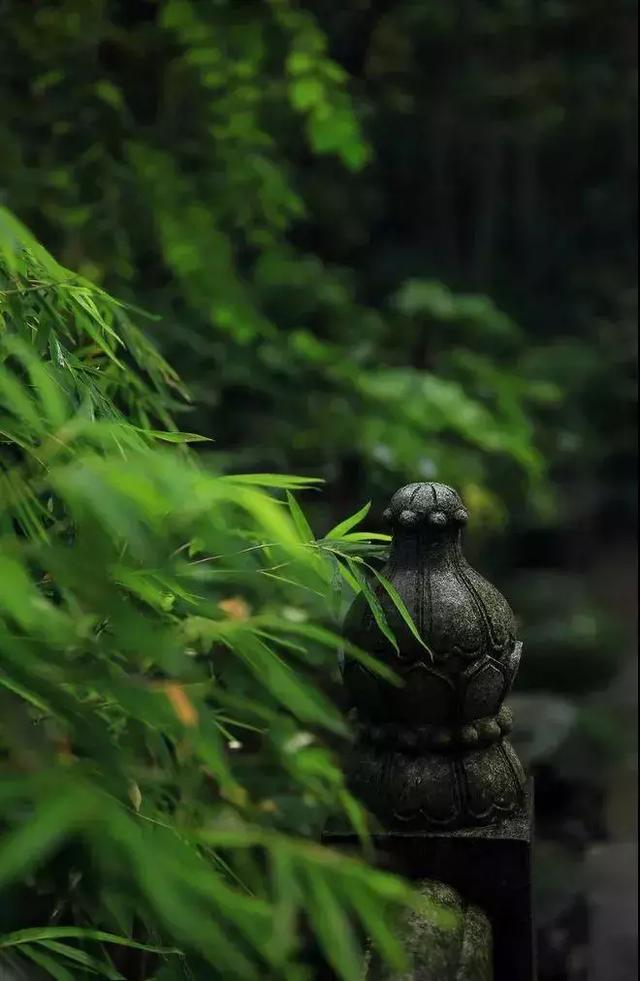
pixel 332 927
pixel 301 523
pixel 168 437
pixel 373 603
pixel 55 933
pixel 400 606
pixel 274 480
pixel 92 964
pixel 344 526
pixel 54 818
pixel 48 964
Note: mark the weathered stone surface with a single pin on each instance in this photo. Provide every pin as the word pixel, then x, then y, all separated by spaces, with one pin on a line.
pixel 434 753
pixel 449 941
pixel 432 759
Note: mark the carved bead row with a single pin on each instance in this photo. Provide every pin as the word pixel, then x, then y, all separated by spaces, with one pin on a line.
pixel 481 732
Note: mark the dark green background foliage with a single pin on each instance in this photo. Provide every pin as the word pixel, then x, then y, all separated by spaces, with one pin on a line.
pixel 378 241
pixel 296 189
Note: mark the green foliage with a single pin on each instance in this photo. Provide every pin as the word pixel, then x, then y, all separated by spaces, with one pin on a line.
pixel 193 120
pixel 165 745
pixel 317 200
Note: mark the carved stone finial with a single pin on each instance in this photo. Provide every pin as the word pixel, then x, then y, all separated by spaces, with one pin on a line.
pixel 434 752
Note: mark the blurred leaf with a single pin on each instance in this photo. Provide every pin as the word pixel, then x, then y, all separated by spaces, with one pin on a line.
pixel 54 817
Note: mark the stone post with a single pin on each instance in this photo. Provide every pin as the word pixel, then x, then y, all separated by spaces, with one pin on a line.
pixel 432 760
